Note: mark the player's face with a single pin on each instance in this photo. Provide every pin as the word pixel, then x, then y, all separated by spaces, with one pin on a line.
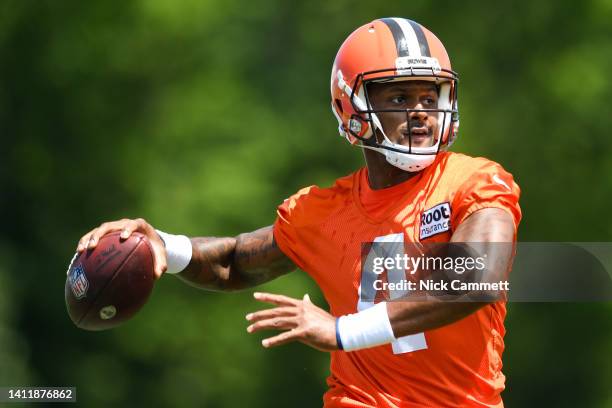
pixel 418 129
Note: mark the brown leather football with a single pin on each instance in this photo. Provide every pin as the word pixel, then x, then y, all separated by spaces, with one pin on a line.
pixel 107 285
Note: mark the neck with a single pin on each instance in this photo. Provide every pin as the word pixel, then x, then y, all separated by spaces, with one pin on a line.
pixel 382 174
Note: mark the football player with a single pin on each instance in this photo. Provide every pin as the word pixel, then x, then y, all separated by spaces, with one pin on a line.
pixel 394 94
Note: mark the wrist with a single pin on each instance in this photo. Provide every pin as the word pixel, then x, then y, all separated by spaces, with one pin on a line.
pixel 178 251
pixel 338 338
pixel 368 328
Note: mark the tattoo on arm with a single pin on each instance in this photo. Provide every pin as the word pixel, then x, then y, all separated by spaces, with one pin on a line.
pixel 228 264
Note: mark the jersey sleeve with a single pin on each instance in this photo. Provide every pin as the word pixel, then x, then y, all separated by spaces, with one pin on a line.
pixel 290 216
pixel 489 186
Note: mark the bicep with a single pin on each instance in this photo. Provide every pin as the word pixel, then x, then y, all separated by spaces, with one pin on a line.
pixel 491 232
pixel 486 225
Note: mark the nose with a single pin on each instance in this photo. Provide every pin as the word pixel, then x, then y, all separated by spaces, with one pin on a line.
pixel 418 115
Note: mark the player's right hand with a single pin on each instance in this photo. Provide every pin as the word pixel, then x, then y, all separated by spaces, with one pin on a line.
pixel 127 226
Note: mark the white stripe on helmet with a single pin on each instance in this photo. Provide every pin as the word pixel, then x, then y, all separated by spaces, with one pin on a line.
pixel 410 37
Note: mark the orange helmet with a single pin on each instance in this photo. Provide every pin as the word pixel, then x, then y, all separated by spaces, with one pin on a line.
pixel 385 50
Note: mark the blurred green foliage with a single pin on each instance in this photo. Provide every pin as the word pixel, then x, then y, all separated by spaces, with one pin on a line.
pixel 201 116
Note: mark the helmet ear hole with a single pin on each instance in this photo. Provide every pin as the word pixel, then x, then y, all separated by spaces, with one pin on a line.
pixel 339 105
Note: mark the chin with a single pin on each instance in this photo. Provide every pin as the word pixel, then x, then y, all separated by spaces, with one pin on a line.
pixel 424 143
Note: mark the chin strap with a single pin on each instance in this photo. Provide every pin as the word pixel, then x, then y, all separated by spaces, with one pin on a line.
pixel 407 161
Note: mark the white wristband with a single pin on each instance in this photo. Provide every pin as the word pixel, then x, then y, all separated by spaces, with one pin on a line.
pixel 178 251
pixel 368 328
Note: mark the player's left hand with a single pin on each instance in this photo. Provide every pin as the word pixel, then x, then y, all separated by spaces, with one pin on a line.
pixel 301 320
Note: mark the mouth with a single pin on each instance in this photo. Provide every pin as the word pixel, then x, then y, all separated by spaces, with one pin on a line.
pixel 417 135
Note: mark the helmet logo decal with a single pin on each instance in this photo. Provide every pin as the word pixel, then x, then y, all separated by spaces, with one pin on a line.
pixel 355 126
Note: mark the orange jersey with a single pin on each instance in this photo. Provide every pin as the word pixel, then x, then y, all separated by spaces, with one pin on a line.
pixel 322 229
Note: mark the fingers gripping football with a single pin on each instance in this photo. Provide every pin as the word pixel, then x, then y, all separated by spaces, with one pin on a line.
pixel 301 321
pixel 127 227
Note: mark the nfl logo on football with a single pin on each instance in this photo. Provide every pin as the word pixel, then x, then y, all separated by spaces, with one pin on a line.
pixel 78 282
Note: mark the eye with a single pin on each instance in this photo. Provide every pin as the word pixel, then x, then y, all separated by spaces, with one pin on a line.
pixel 430 101
pixel 398 100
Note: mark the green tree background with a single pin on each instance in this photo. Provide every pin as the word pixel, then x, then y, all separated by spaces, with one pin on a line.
pixel 202 116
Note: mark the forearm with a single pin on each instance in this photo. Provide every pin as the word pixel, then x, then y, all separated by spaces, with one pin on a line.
pixel 210 265
pixel 408 317
pixel 234 263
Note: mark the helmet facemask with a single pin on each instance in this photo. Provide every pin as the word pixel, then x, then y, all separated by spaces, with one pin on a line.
pixel 421 149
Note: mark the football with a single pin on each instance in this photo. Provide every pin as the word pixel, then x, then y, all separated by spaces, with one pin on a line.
pixel 107 285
